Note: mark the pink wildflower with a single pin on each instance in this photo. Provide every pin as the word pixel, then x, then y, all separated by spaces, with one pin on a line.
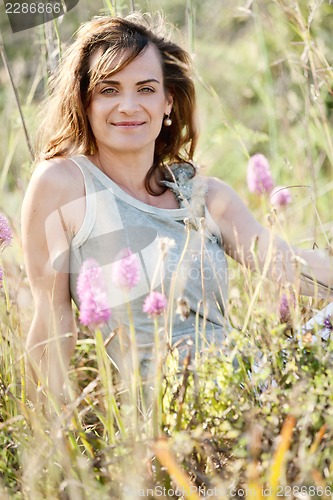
pixel 6 234
pixel 259 177
pixel 126 270
pixel 284 308
pixel 328 322
pixel 280 196
pixel 1 276
pixel 155 303
pixel 92 294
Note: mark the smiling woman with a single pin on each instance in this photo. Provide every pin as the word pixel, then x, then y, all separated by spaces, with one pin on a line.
pixel 126 115
pixel 104 47
pixel 116 183
pixel 121 111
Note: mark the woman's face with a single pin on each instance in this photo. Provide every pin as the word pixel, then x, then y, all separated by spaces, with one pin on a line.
pixel 127 109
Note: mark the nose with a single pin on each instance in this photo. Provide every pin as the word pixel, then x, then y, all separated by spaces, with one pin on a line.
pixel 128 103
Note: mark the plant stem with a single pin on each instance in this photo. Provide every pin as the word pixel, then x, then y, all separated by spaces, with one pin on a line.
pixel 6 64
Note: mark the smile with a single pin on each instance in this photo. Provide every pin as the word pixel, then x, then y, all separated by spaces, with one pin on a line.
pixel 128 124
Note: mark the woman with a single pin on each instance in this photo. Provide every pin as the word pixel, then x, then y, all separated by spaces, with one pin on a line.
pixel 116 173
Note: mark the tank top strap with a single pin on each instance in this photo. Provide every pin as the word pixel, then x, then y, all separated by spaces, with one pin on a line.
pixel 90 200
pixel 84 165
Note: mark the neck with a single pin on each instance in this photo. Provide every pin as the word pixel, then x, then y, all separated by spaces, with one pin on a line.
pixel 129 173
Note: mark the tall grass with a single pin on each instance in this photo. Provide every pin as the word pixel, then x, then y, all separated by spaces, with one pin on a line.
pixel 250 418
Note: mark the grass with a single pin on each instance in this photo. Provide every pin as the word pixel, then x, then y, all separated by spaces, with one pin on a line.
pixel 219 425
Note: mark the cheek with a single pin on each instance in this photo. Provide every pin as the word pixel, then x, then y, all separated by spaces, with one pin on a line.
pixel 90 112
pixel 93 114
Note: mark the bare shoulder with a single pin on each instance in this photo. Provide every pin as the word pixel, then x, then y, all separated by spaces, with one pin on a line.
pixel 217 187
pixel 55 166
pixel 54 185
pixel 237 224
pixel 59 178
pixel 219 196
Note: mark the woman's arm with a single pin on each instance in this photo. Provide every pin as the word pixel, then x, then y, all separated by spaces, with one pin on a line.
pixel 52 336
pixel 250 243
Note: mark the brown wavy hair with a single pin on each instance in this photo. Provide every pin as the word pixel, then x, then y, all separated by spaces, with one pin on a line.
pixel 66 124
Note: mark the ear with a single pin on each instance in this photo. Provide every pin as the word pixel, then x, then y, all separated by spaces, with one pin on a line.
pixel 168 107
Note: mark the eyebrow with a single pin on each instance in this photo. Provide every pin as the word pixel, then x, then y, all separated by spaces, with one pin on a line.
pixel 115 82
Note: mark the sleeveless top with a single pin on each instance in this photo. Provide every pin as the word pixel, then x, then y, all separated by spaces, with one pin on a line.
pixel 193 270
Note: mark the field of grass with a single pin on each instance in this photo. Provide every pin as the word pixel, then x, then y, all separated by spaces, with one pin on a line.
pixel 220 428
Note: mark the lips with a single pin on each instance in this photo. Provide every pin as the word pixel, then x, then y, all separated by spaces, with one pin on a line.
pixel 128 124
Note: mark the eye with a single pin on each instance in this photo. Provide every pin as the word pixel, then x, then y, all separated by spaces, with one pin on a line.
pixel 109 90
pixel 146 90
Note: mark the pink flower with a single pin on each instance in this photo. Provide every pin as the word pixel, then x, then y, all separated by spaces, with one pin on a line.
pixel 126 270
pixel 280 196
pixel 1 276
pixel 328 322
pixel 91 289
pixel 284 307
pixel 6 234
pixel 259 177
pixel 155 303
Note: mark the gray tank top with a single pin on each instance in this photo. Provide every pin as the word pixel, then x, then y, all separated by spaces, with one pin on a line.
pixel 114 220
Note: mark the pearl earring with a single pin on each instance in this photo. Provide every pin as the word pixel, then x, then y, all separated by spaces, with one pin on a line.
pixel 167 121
